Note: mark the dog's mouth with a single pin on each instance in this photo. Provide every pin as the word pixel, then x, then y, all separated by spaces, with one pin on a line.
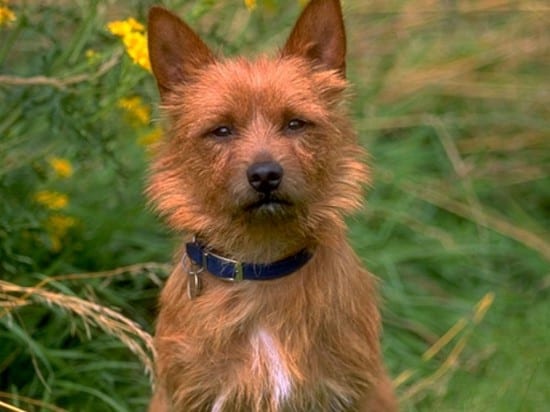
pixel 268 203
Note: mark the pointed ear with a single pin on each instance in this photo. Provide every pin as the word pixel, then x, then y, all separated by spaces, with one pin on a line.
pixel 175 50
pixel 319 36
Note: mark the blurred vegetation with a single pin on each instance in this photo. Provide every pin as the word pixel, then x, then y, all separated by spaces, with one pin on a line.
pixel 452 100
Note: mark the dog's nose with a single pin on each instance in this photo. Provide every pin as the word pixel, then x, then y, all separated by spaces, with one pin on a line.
pixel 265 177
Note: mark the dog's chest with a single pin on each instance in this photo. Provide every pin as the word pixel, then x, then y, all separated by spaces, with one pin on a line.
pixel 273 384
pixel 267 354
pixel 267 368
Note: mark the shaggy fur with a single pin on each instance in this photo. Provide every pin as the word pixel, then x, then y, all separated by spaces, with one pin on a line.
pixel 305 342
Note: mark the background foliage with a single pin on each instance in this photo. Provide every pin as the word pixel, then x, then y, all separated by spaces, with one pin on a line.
pixel 450 97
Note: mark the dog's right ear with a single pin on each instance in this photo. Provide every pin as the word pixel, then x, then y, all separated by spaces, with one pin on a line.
pixel 175 50
pixel 319 36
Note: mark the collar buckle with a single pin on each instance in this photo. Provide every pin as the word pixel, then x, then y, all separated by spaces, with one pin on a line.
pixel 238 268
pixel 239 273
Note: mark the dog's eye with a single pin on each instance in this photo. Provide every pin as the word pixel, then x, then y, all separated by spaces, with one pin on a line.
pixel 222 131
pixel 296 124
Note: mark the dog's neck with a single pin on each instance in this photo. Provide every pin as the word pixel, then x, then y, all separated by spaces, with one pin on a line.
pixel 252 249
pixel 269 243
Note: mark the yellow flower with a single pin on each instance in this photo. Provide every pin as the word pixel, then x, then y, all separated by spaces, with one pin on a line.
pixel 52 200
pixel 152 137
pixel 91 55
pixel 136 47
pixel 122 27
pixel 134 38
pixel 57 227
pixel 6 16
pixel 137 111
pixel 250 4
pixel 61 167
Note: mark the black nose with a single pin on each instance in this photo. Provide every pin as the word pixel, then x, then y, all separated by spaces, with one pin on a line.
pixel 265 177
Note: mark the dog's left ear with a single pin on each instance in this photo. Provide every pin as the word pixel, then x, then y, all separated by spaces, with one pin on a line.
pixel 319 36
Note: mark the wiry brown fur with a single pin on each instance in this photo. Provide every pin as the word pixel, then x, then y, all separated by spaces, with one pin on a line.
pixel 305 342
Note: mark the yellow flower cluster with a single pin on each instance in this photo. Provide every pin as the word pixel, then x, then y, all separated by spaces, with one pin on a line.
pixel 61 167
pixel 250 4
pixel 57 227
pixel 57 224
pixel 122 28
pixel 6 15
pixel 134 38
pixel 51 200
pixel 138 112
pixel 151 138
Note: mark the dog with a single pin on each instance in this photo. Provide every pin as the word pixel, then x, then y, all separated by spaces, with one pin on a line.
pixel 268 308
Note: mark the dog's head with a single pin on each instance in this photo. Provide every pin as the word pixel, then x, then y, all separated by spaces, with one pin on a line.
pixel 255 145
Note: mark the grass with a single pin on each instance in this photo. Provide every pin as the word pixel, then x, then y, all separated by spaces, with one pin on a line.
pixel 512 372
pixel 451 100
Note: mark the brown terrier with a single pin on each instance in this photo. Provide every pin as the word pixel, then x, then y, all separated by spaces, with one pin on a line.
pixel 270 309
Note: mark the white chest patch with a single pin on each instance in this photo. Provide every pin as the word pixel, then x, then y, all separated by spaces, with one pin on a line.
pixel 266 355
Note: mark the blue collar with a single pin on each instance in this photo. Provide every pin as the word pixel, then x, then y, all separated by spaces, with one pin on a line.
pixel 232 270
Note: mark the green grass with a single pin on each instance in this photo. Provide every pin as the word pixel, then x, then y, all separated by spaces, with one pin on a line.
pixel 452 104
pixel 512 370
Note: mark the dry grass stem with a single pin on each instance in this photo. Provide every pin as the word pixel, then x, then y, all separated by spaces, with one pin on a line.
pixel 437 378
pixel 515 92
pixel 496 143
pixel 31 401
pixel 137 269
pixel 445 339
pixel 9 407
pixel 93 314
pixel 133 270
pixel 481 217
pixel 448 143
pixel 61 83
pixel 412 80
